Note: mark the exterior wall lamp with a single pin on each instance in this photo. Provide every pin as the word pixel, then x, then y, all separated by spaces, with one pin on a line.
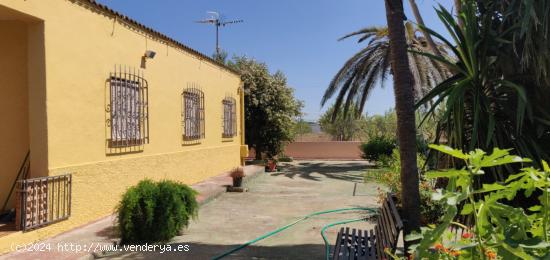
pixel 149 54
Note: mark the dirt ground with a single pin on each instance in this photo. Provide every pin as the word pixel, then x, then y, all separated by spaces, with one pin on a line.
pixel 274 200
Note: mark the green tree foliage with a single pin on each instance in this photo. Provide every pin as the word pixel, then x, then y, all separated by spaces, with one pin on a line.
pixel 498 95
pixel 381 126
pixel 377 147
pixel 389 176
pixel 342 127
pixel 302 127
pixel 384 127
pixel 155 211
pixel 220 57
pixel 270 107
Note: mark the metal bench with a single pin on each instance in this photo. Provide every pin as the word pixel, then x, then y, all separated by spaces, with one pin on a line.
pixel 370 244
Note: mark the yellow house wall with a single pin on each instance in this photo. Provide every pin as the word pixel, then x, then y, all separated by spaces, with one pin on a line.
pixel 81 48
pixel 13 104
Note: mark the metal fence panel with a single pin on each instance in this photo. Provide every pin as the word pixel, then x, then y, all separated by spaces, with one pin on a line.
pixel 43 201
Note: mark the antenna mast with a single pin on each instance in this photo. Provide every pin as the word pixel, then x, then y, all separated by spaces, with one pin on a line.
pixel 218 22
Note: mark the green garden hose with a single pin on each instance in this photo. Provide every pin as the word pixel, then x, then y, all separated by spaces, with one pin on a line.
pixel 292 224
pixel 327 244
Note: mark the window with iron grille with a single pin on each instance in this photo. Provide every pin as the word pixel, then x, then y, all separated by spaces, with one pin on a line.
pixel 229 120
pixel 128 108
pixel 193 113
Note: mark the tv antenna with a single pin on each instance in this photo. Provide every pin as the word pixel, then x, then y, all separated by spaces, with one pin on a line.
pixel 218 21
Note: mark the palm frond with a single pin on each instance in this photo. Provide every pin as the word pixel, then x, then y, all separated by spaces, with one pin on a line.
pixel 376 32
pixel 354 82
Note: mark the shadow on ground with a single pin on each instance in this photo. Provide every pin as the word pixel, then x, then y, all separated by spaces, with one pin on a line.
pixel 272 201
pixel 351 171
pixel 109 232
pixel 208 251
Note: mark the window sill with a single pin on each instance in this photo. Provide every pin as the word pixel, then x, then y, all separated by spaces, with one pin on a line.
pixel 191 142
pixel 228 138
pixel 124 147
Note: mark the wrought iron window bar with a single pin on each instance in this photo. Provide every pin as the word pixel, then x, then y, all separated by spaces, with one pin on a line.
pixel 128 109
pixel 192 114
pixel 229 119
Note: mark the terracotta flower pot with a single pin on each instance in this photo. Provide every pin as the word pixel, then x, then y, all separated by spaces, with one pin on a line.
pixel 237 182
pixel 270 166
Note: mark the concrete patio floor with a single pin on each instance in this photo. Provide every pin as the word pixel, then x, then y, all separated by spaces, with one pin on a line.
pixel 228 220
pixel 274 200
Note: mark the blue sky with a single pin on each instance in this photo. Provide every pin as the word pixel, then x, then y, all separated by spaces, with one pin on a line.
pixel 298 37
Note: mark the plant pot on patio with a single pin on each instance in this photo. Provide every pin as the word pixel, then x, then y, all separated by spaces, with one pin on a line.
pixel 237 175
pixel 271 165
pixel 237 182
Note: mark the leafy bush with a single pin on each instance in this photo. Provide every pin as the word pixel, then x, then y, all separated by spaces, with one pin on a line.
pixel 270 107
pixel 377 146
pixel 499 230
pixel 430 210
pixel 285 159
pixel 176 204
pixel 384 160
pixel 136 212
pixel 155 211
pixel 341 126
pixel 390 177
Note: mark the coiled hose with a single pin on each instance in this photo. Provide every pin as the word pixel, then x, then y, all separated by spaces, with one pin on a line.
pixel 327 245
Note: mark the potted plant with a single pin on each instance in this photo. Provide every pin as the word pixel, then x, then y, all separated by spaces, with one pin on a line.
pixel 237 175
pixel 271 165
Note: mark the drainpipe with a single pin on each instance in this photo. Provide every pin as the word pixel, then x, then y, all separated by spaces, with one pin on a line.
pixel 244 147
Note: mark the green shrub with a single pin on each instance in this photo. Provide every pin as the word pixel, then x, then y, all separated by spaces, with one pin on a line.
pixel 176 204
pixel 285 158
pixel 153 212
pixel 500 231
pixel 430 210
pixel 136 211
pixel 389 176
pixel 377 146
pixel 384 161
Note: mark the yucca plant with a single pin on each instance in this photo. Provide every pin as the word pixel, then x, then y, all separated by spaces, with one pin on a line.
pixel 483 106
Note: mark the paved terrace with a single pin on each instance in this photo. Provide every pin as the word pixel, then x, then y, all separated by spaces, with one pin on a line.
pixel 273 200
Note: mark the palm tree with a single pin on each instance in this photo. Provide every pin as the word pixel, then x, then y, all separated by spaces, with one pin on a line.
pixel 403 84
pixel 356 79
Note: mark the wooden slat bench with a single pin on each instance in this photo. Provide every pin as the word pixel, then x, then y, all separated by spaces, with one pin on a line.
pixel 370 244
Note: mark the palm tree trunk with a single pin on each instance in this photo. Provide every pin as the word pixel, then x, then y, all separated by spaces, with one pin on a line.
pixel 441 68
pixel 404 106
pixel 420 22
